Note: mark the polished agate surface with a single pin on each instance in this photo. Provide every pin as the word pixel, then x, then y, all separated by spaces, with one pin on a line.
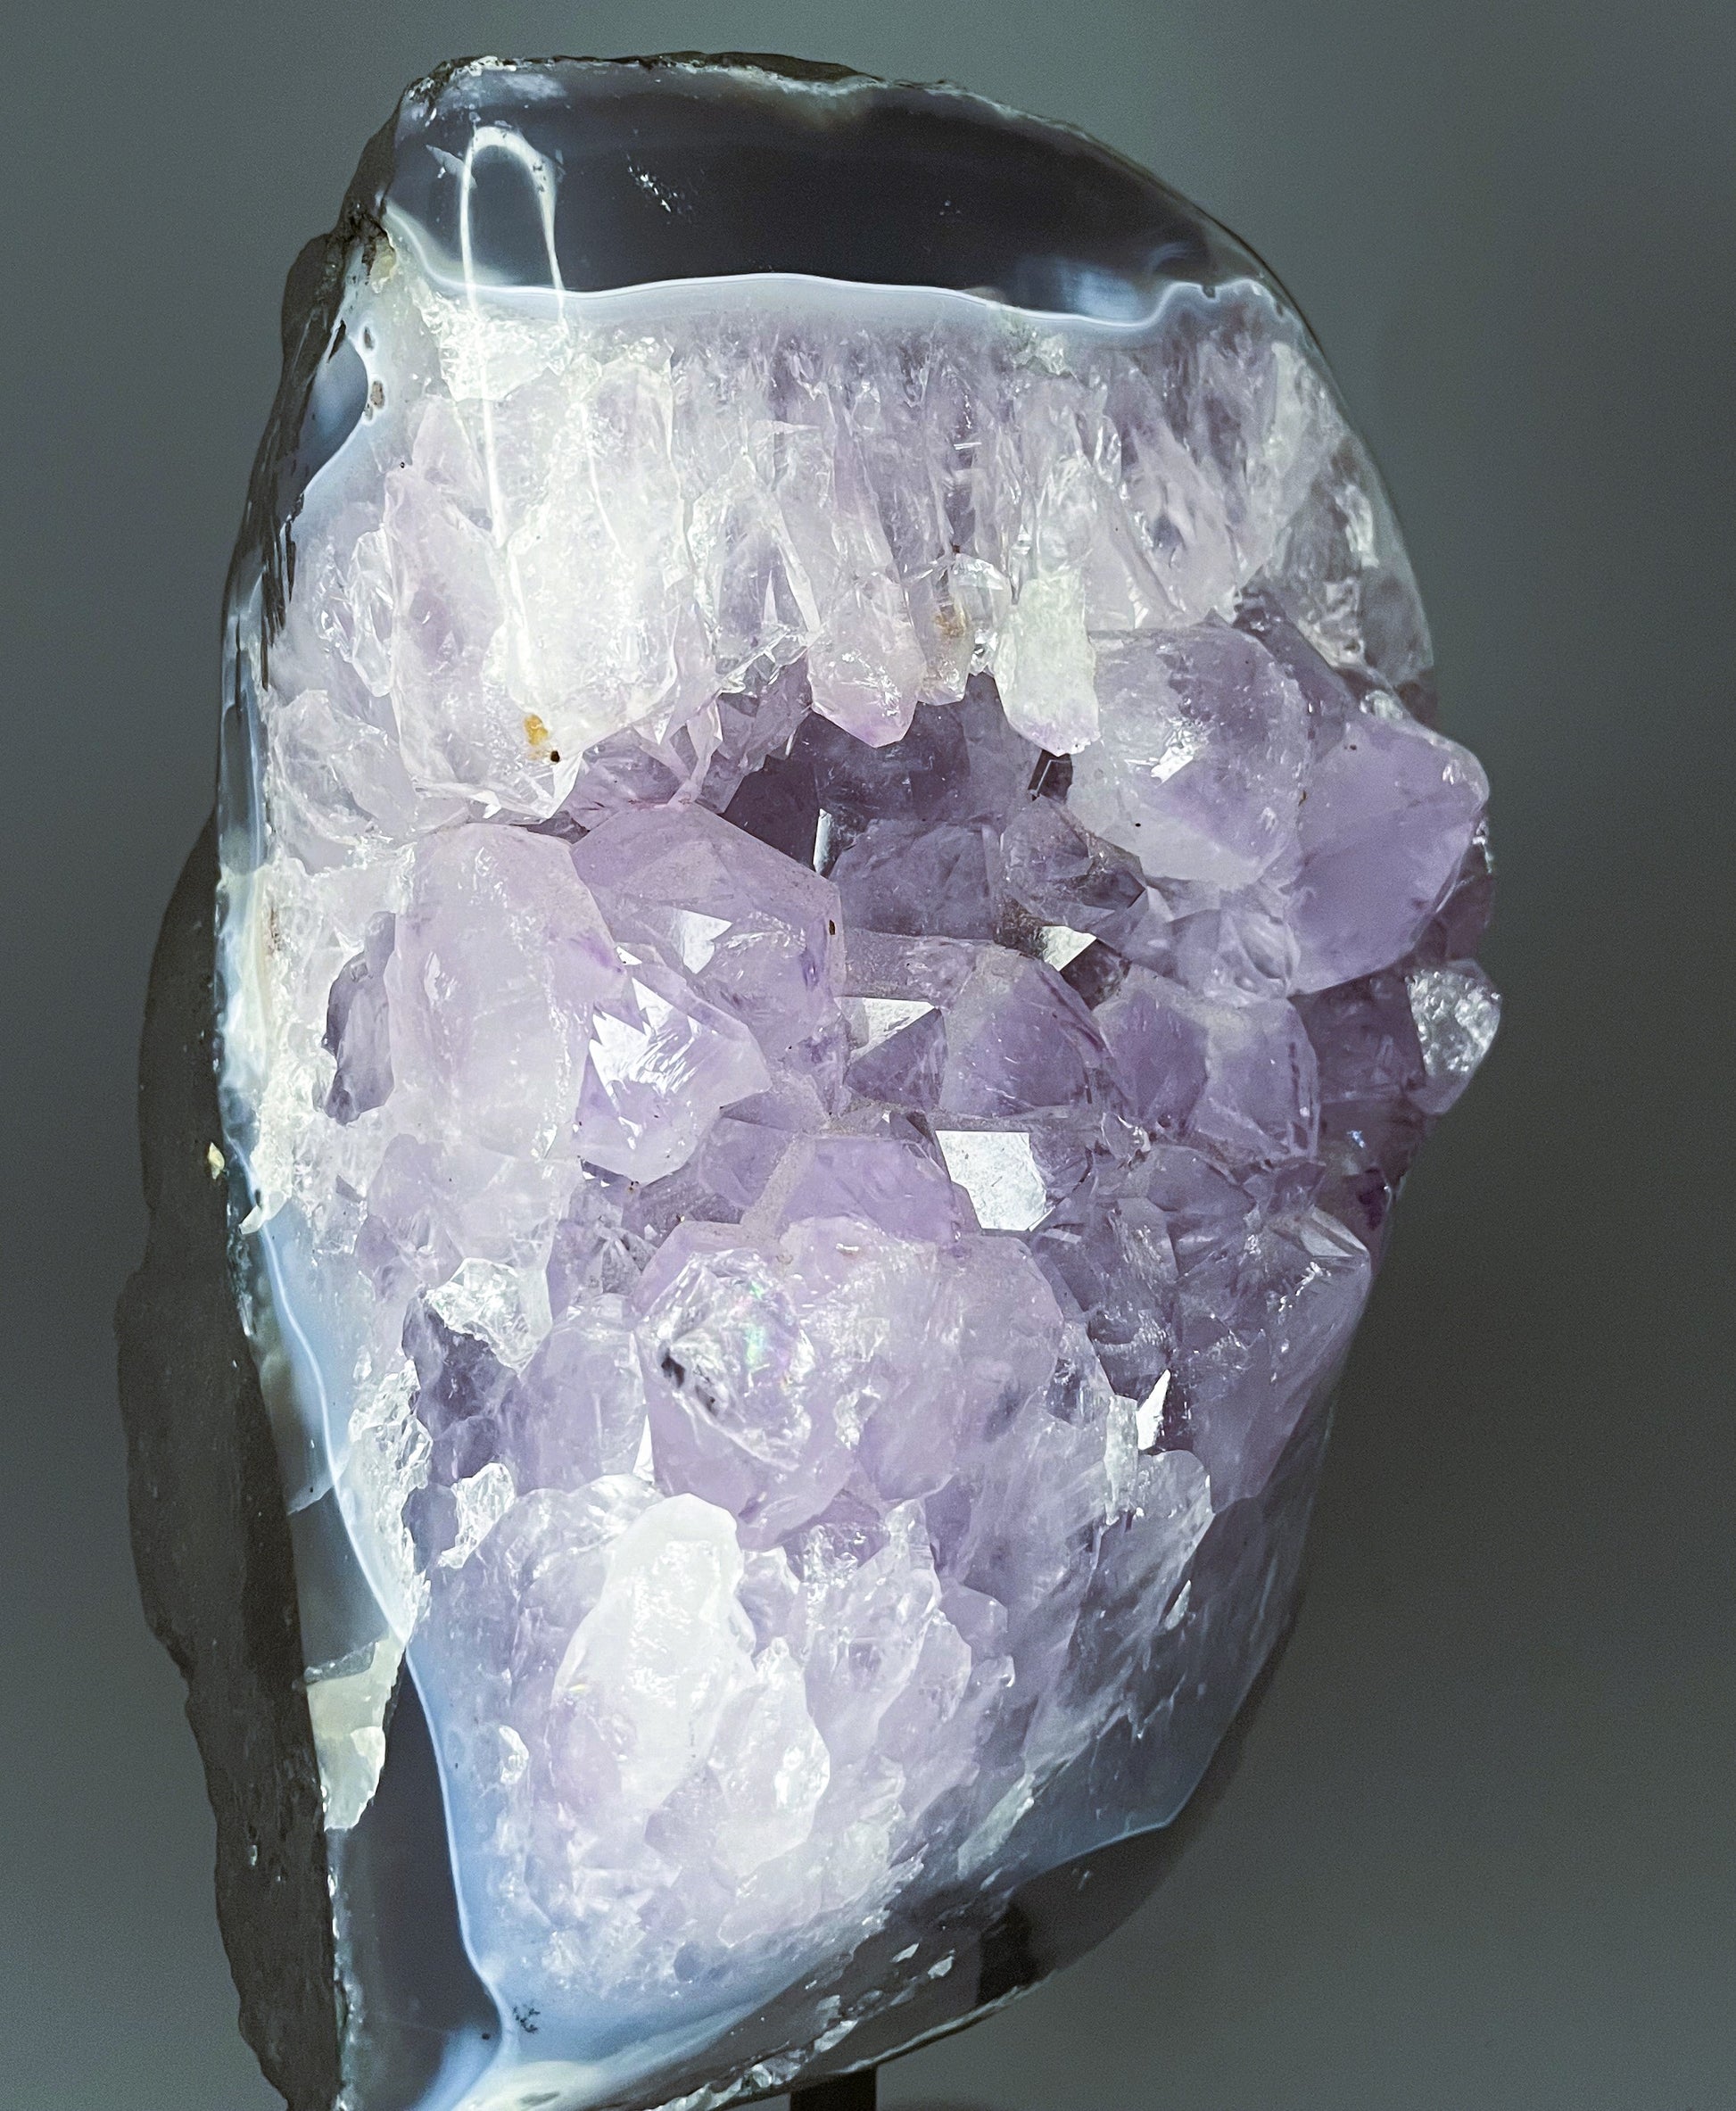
pixel 840 911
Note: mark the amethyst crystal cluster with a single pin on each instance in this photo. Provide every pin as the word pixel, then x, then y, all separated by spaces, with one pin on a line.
pixel 841 913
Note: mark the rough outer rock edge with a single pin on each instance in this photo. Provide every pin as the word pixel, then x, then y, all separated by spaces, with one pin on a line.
pixel 211 1533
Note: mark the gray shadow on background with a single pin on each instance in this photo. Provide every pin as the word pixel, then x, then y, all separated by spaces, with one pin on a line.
pixel 1481 1851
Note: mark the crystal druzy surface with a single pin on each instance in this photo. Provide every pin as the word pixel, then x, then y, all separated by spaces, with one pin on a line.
pixel 840 915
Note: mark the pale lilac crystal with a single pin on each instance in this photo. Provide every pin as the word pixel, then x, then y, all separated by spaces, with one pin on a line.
pixel 853 938
pixel 577 1410
pixel 1200 768
pixel 499 961
pixel 890 1180
pixel 756 934
pixel 661 1066
pixel 1262 1314
pixel 1239 1078
pixel 1391 811
pixel 772 1356
pixel 899 875
pixel 1017 1038
pixel 359 1028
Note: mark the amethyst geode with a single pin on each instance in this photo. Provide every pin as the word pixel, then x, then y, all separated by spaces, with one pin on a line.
pixel 839 913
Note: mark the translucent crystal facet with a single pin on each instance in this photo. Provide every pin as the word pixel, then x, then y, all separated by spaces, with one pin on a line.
pixel 836 933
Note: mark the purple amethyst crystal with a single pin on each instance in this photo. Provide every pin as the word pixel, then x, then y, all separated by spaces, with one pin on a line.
pixel 835 936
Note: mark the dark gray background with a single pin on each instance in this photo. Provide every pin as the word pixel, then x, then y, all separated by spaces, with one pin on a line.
pixel 1480 1852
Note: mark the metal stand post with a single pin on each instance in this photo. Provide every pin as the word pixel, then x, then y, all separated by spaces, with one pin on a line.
pixel 848 2092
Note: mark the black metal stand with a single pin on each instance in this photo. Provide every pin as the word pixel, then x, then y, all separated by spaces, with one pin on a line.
pixel 848 2092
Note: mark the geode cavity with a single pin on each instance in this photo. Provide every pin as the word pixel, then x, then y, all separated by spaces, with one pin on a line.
pixel 839 913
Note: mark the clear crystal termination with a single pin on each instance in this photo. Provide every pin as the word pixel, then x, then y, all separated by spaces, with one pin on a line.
pixel 840 917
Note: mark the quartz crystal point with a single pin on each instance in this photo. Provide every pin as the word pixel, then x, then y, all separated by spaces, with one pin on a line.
pixel 838 915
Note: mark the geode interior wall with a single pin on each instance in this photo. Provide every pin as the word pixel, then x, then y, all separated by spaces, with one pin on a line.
pixel 839 913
